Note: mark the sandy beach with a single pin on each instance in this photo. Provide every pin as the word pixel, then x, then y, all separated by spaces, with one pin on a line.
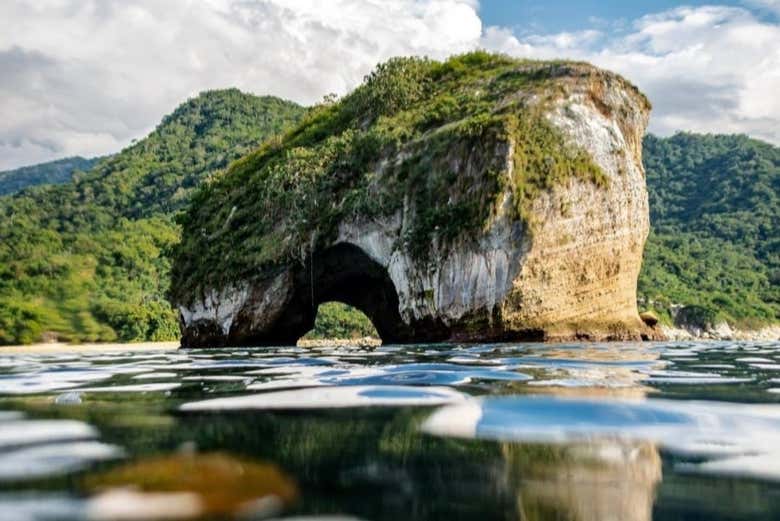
pixel 57 347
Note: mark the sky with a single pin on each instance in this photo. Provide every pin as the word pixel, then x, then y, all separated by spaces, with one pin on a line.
pixel 86 77
pixel 537 16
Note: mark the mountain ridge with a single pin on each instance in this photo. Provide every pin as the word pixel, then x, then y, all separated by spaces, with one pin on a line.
pixel 51 172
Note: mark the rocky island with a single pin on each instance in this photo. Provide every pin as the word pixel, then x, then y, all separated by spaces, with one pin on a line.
pixel 482 198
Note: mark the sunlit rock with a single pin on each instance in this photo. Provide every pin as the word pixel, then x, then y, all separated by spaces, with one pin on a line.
pixel 480 199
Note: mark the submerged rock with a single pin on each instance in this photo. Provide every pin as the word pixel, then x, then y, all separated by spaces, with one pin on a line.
pixel 479 199
pixel 189 485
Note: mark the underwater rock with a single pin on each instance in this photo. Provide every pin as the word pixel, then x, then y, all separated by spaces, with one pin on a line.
pixel 189 485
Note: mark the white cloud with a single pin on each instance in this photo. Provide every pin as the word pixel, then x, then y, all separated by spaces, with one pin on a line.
pixel 706 69
pixel 86 76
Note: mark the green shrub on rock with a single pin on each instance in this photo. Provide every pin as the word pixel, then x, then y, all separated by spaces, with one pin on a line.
pixel 392 141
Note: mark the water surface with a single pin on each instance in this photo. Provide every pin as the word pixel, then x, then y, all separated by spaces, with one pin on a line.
pixel 499 431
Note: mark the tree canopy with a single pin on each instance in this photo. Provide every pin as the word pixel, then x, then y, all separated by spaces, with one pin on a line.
pixel 86 260
pixel 715 215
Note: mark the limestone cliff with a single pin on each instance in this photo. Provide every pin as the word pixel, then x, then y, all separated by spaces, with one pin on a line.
pixel 478 199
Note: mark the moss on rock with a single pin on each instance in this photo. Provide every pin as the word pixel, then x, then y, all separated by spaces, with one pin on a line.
pixel 395 142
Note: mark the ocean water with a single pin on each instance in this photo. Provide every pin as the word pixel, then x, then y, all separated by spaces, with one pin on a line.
pixel 632 431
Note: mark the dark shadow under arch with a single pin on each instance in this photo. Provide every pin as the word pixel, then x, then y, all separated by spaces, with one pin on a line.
pixel 342 273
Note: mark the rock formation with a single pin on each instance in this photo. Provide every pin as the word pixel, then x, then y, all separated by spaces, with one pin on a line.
pixel 479 199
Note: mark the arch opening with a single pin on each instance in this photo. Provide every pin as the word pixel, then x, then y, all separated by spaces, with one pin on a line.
pixel 341 322
pixel 343 273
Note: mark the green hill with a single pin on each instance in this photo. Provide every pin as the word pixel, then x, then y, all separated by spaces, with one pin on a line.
pixel 715 240
pixel 52 173
pixel 84 261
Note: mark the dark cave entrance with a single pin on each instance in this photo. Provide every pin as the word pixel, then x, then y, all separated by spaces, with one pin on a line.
pixel 342 273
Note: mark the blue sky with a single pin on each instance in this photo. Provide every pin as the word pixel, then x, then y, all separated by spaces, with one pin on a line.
pixel 86 77
pixel 550 16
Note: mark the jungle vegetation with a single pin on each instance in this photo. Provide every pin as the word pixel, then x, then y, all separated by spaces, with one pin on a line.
pixel 87 260
pixel 715 239
pixel 339 320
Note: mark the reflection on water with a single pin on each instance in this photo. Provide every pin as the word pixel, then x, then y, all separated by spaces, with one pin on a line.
pixel 42 448
pixel 718 434
pixel 585 482
pixel 525 431
pixel 333 398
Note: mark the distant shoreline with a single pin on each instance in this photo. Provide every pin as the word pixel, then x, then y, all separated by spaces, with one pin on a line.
pixel 59 347
pixel 770 333
pixel 722 332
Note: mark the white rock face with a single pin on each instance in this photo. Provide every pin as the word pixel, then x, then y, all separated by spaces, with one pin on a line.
pixel 767 333
pixel 465 279
pixel 220 308
pixel 567 271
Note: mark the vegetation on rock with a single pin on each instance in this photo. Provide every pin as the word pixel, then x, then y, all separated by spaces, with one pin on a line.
pixel 388 146
pixel 713 254
pixel 86 260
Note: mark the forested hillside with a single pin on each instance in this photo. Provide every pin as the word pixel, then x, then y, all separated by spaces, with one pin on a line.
pixel 53 172
pixel 84 261
pixel 715 240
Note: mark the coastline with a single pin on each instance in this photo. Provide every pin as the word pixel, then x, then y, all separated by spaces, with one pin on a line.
pixel 769 333
pixel 60 347
pixel 722 332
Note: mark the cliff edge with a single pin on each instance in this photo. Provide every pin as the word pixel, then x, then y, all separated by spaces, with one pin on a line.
pixel 482 198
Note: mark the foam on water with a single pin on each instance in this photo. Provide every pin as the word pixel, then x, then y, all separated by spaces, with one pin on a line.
pixel 217 378
pixel 768 367
pixel 53 459
pixel 27 432
pixel 155 376
pixel 734 439
pixel 334 397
